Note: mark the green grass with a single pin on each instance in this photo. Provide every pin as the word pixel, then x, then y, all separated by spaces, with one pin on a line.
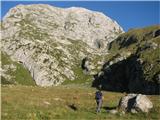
pixel 28 102
pixel 80 78
pixel 20 76
pixel 142 36
pixel 150 57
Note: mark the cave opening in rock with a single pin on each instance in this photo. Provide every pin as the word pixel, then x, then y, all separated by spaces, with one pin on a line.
pixel 84 64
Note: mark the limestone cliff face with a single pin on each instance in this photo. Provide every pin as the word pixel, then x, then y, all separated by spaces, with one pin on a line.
pixel 51 41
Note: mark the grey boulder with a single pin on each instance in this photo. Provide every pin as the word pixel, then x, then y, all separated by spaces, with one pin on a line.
pixel 135 103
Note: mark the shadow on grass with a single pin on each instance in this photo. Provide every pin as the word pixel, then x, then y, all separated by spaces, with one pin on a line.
pixel 109 108
pixel 73 107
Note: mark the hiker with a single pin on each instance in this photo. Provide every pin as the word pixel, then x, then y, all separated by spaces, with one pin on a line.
pixel 98 97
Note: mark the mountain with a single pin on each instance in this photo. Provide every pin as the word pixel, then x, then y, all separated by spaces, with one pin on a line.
pixel 57 45
pixel 133 63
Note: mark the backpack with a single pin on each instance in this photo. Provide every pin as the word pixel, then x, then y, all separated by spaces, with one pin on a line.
pixel 98 95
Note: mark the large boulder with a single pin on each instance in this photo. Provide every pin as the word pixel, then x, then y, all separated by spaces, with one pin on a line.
pixel 135 103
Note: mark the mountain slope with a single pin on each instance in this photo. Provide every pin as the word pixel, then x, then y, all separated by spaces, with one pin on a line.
pixel 13 72
pixel 52 42
pixel 133 64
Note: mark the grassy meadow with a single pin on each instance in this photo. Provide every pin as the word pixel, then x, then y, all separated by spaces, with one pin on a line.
pixel 20 102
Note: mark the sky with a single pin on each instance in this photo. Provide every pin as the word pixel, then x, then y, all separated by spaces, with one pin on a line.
pixel 135 14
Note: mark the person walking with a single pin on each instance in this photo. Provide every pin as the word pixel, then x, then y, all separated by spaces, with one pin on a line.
pixel 98 98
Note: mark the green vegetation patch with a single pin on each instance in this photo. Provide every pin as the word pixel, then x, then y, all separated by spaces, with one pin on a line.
pixel 18 76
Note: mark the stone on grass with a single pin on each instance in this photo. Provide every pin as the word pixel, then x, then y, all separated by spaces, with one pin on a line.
pixel 135 103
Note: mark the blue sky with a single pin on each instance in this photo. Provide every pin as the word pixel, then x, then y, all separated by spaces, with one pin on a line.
pixel 128 14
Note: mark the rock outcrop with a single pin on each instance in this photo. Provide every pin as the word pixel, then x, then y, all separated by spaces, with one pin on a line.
pixel 13 72
pixel 133 63
pixel 135 103
pixel 51 42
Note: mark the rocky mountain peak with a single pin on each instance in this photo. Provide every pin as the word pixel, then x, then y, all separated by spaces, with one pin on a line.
pixel 51 42
pixel 94 28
